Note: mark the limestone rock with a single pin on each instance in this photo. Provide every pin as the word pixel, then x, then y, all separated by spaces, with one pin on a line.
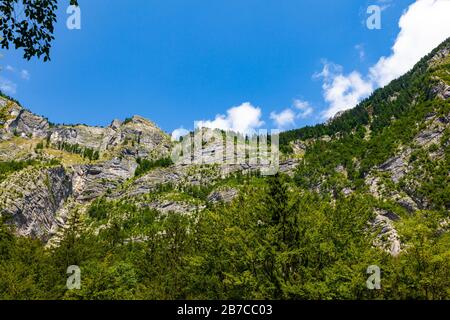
pixel 32 198
pixel 433 132
pixel 167 206
pixel 223 195
pixel 28 123
pixel 441 90
pixel 136 137
pixel 387 237
pixel 15 120
pixel 92 181
pixel 396 166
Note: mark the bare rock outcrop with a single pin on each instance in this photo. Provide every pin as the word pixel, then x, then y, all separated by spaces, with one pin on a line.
pixel 378 189
pixel 224 195
pixel 193 175
pixel 29 124
pixel 15 120
pixel 433 132
pixel 93 180
pixel 387 237
pixel 396 166
pixel 135 137
pixel 440 90
pixel 32 198
pixel 170 206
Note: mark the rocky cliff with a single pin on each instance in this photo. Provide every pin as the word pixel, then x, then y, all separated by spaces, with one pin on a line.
pixel 32 198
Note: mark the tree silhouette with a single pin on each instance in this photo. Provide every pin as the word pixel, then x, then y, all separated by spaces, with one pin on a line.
pixel 29 24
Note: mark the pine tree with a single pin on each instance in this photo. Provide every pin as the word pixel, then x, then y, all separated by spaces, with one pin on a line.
pixel 283 215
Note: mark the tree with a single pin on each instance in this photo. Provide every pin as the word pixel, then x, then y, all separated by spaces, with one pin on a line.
pixel 76 245
pixel 281 211
pixel 28 24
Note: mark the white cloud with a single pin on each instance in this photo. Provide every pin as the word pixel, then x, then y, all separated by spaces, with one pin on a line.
pixel 178 133
pixel 244 118
pixel 305 108
pixel 283 119
pixel 423 26
pixel 7 86
pixel 342 92
pixel 24 74
pixel 286 118
pixel 361 51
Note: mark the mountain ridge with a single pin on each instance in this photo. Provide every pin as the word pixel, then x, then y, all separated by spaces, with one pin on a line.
pixel 101 159
pixel 370 188
pixel 360 114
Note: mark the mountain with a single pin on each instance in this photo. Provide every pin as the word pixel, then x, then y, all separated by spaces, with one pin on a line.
pixel 370 187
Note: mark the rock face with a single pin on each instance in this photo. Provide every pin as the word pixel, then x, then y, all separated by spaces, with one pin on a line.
pixel 396 166
pixel 435 128
pixel 28 123
pixel 440 55
pixel 441 90
pixel 336 116
pixel 136 137
pixel 299 147
pixel 167 206
pixel 404 172
pixel 33 197
pixel 193 175
pixel 387 237
pixel 90 137
pixel 151 181
pixel 92 181
pixel 223 195
pixel 378 189
pixel 15 120
pixel 288 166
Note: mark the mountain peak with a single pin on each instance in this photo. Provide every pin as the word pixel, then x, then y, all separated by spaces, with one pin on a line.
pixel 137 119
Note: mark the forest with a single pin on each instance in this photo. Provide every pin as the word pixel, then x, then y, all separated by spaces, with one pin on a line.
pixel 270 244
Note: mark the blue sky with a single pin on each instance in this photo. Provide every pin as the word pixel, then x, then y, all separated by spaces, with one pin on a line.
pixel 177 62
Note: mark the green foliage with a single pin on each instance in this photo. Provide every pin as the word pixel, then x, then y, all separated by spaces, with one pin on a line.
pixel 147 165
pixel 99 209
pixel 424 272
pixel 26 270
pixel 200 192
pixel 39 146
pixel 435 180
pixel 8 167
pixel 380 109
pixel 106 281
pixel 275 241
pixel 127 120
pixel 85 152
